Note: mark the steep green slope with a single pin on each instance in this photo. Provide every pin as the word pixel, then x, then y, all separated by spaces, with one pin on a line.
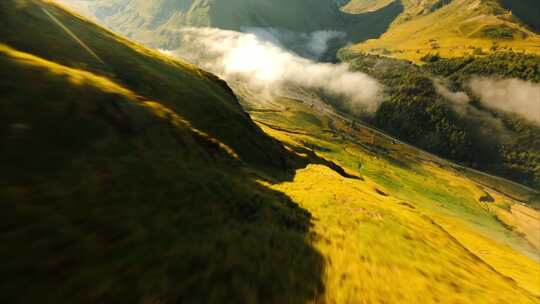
pixel 452 29
pixel 134 179
pixel 151 75
pixel 107 198
pixel 300 15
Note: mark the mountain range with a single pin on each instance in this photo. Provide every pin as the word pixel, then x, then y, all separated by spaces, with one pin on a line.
pixel 155 23
pixel 407 29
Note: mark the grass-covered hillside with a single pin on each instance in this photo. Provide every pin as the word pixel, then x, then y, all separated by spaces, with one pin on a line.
pixel 134 178
pixel 147 73
pixel 413 229
pixel 456 28
pixel 130 177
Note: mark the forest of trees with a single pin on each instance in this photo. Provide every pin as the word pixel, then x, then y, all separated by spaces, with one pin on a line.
pixel 413 111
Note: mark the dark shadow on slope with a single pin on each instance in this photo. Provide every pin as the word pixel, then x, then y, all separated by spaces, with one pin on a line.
pixel 200 97
pixel 361 27
pixel 105 202
pixel 527 11
pixel 370 25
pixel 309 157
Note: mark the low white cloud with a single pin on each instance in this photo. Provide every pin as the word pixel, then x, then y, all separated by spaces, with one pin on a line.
pixel 459 99
pixel 460 103
pixel 509 95
pixel 312 45
pixel 261 63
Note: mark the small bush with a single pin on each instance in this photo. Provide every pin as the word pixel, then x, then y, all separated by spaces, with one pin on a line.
pixel 431 57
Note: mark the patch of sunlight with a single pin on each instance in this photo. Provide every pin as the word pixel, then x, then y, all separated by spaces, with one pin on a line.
pixel 524 270
pixel 75 76
pixel 80 78
pixel 448 31
pixel 378 248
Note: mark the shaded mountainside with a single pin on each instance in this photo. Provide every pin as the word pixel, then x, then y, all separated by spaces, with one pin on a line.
pixel 198 96
pixel 127 179
pixel 456 28
pixel 362 6
pixel 154 23
pixel 137 15
pixel 528 11
pixel 107 198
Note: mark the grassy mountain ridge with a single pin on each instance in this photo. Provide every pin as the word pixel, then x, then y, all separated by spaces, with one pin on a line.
pixel 156 77
pixel 106 211
pixel 452 29
pixel 301 16
pixel 226 14
pixel 111 194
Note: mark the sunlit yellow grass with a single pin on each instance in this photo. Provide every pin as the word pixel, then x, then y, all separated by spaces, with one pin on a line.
pixel 377 249
pixel 78 77
pixel 502 258
pixel 74 76
pixel 452 31
pixel 429 240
